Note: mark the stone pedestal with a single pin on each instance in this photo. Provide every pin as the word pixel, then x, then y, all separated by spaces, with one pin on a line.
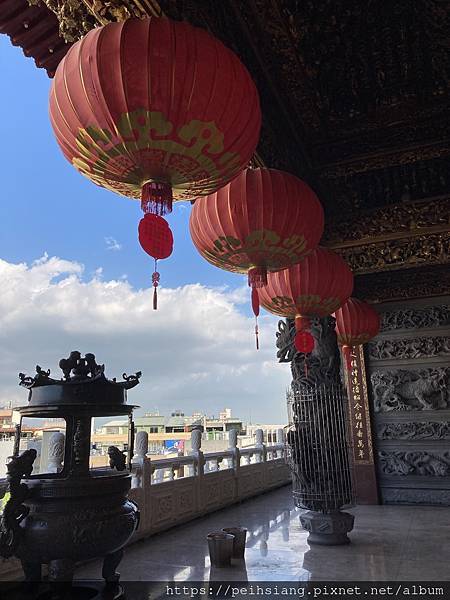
pixel 327 529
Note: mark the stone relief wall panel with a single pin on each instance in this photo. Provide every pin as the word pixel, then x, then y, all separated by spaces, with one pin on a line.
pixel 410 348
pixel 418 430
pixel 402 389
pixel 408 318
pixel 414 463
pixel 409 381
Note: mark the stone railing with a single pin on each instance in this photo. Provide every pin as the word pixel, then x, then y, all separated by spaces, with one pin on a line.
pixel 171 491
pixel 175 490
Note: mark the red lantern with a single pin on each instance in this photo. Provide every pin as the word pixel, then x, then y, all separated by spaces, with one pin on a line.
pixel 316 286
pixel 262 221
pixel 154 108
pixel 356 323
pixel 156 239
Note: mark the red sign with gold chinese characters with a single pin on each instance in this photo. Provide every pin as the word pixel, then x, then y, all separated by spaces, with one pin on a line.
pixel 360 430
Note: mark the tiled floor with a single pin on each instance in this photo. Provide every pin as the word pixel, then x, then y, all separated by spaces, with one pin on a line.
pixel 388 543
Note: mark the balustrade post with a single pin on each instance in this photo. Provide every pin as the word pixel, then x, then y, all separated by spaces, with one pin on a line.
pixel 280 440
pixel 196 444
pixel 140 461
pixel 233 447
pixel 260 445
pixel 56 446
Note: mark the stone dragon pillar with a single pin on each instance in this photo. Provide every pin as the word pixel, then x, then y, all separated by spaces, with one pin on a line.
pixel 317 439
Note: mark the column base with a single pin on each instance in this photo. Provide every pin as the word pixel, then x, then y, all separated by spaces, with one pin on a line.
pixel 327 529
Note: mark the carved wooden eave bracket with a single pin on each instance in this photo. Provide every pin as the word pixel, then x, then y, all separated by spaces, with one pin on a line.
pixel 77 17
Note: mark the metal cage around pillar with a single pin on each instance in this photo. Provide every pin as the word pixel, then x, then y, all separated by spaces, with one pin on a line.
pixel 317 444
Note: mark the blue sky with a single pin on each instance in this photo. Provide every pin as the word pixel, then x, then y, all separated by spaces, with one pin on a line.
pixel 47 206
pixel 196 352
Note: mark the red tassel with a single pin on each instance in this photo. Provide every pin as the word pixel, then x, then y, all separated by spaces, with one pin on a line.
pixel 155 280
pixel 156 198
pixel 257 333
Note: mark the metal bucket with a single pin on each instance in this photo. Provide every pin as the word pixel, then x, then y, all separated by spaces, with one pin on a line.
pixel 220 545
pixel 240 535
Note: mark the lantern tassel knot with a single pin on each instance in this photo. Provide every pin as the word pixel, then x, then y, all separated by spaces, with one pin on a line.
pixel 156 198
pixel 257 277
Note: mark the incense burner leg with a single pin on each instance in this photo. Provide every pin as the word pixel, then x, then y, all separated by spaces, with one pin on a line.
pixel 61 570
pixel 110 563
pixel 32 570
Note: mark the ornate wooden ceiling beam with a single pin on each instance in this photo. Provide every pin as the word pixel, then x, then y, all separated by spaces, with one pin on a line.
pixel 399 236
pixel 289 125
pixel 77 17
pixel 403 284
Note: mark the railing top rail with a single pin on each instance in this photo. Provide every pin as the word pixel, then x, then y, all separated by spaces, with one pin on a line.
pixel 251 450
pixel 166 463
pixel 222 454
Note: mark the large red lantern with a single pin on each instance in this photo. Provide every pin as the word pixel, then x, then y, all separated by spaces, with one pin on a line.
pixel 315 287
pixel 262 221
pixel 155 109
pixel 356 323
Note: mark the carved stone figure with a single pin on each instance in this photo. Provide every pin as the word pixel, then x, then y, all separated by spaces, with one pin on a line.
pixel 67 364
pixel 117 459
pixel 426 389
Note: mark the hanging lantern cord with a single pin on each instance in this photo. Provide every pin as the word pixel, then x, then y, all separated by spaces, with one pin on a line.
pixel 155 281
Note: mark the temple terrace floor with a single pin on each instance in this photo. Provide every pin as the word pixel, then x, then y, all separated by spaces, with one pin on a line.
pixel 389 543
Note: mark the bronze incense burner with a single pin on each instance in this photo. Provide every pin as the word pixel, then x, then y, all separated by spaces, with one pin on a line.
pixel 77 513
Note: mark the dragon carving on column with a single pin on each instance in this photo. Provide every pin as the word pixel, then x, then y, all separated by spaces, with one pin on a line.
pixel 316 440
pixel 322 365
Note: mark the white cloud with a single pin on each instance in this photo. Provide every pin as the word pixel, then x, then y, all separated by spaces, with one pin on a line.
pixel 112 244
pixel 196 351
